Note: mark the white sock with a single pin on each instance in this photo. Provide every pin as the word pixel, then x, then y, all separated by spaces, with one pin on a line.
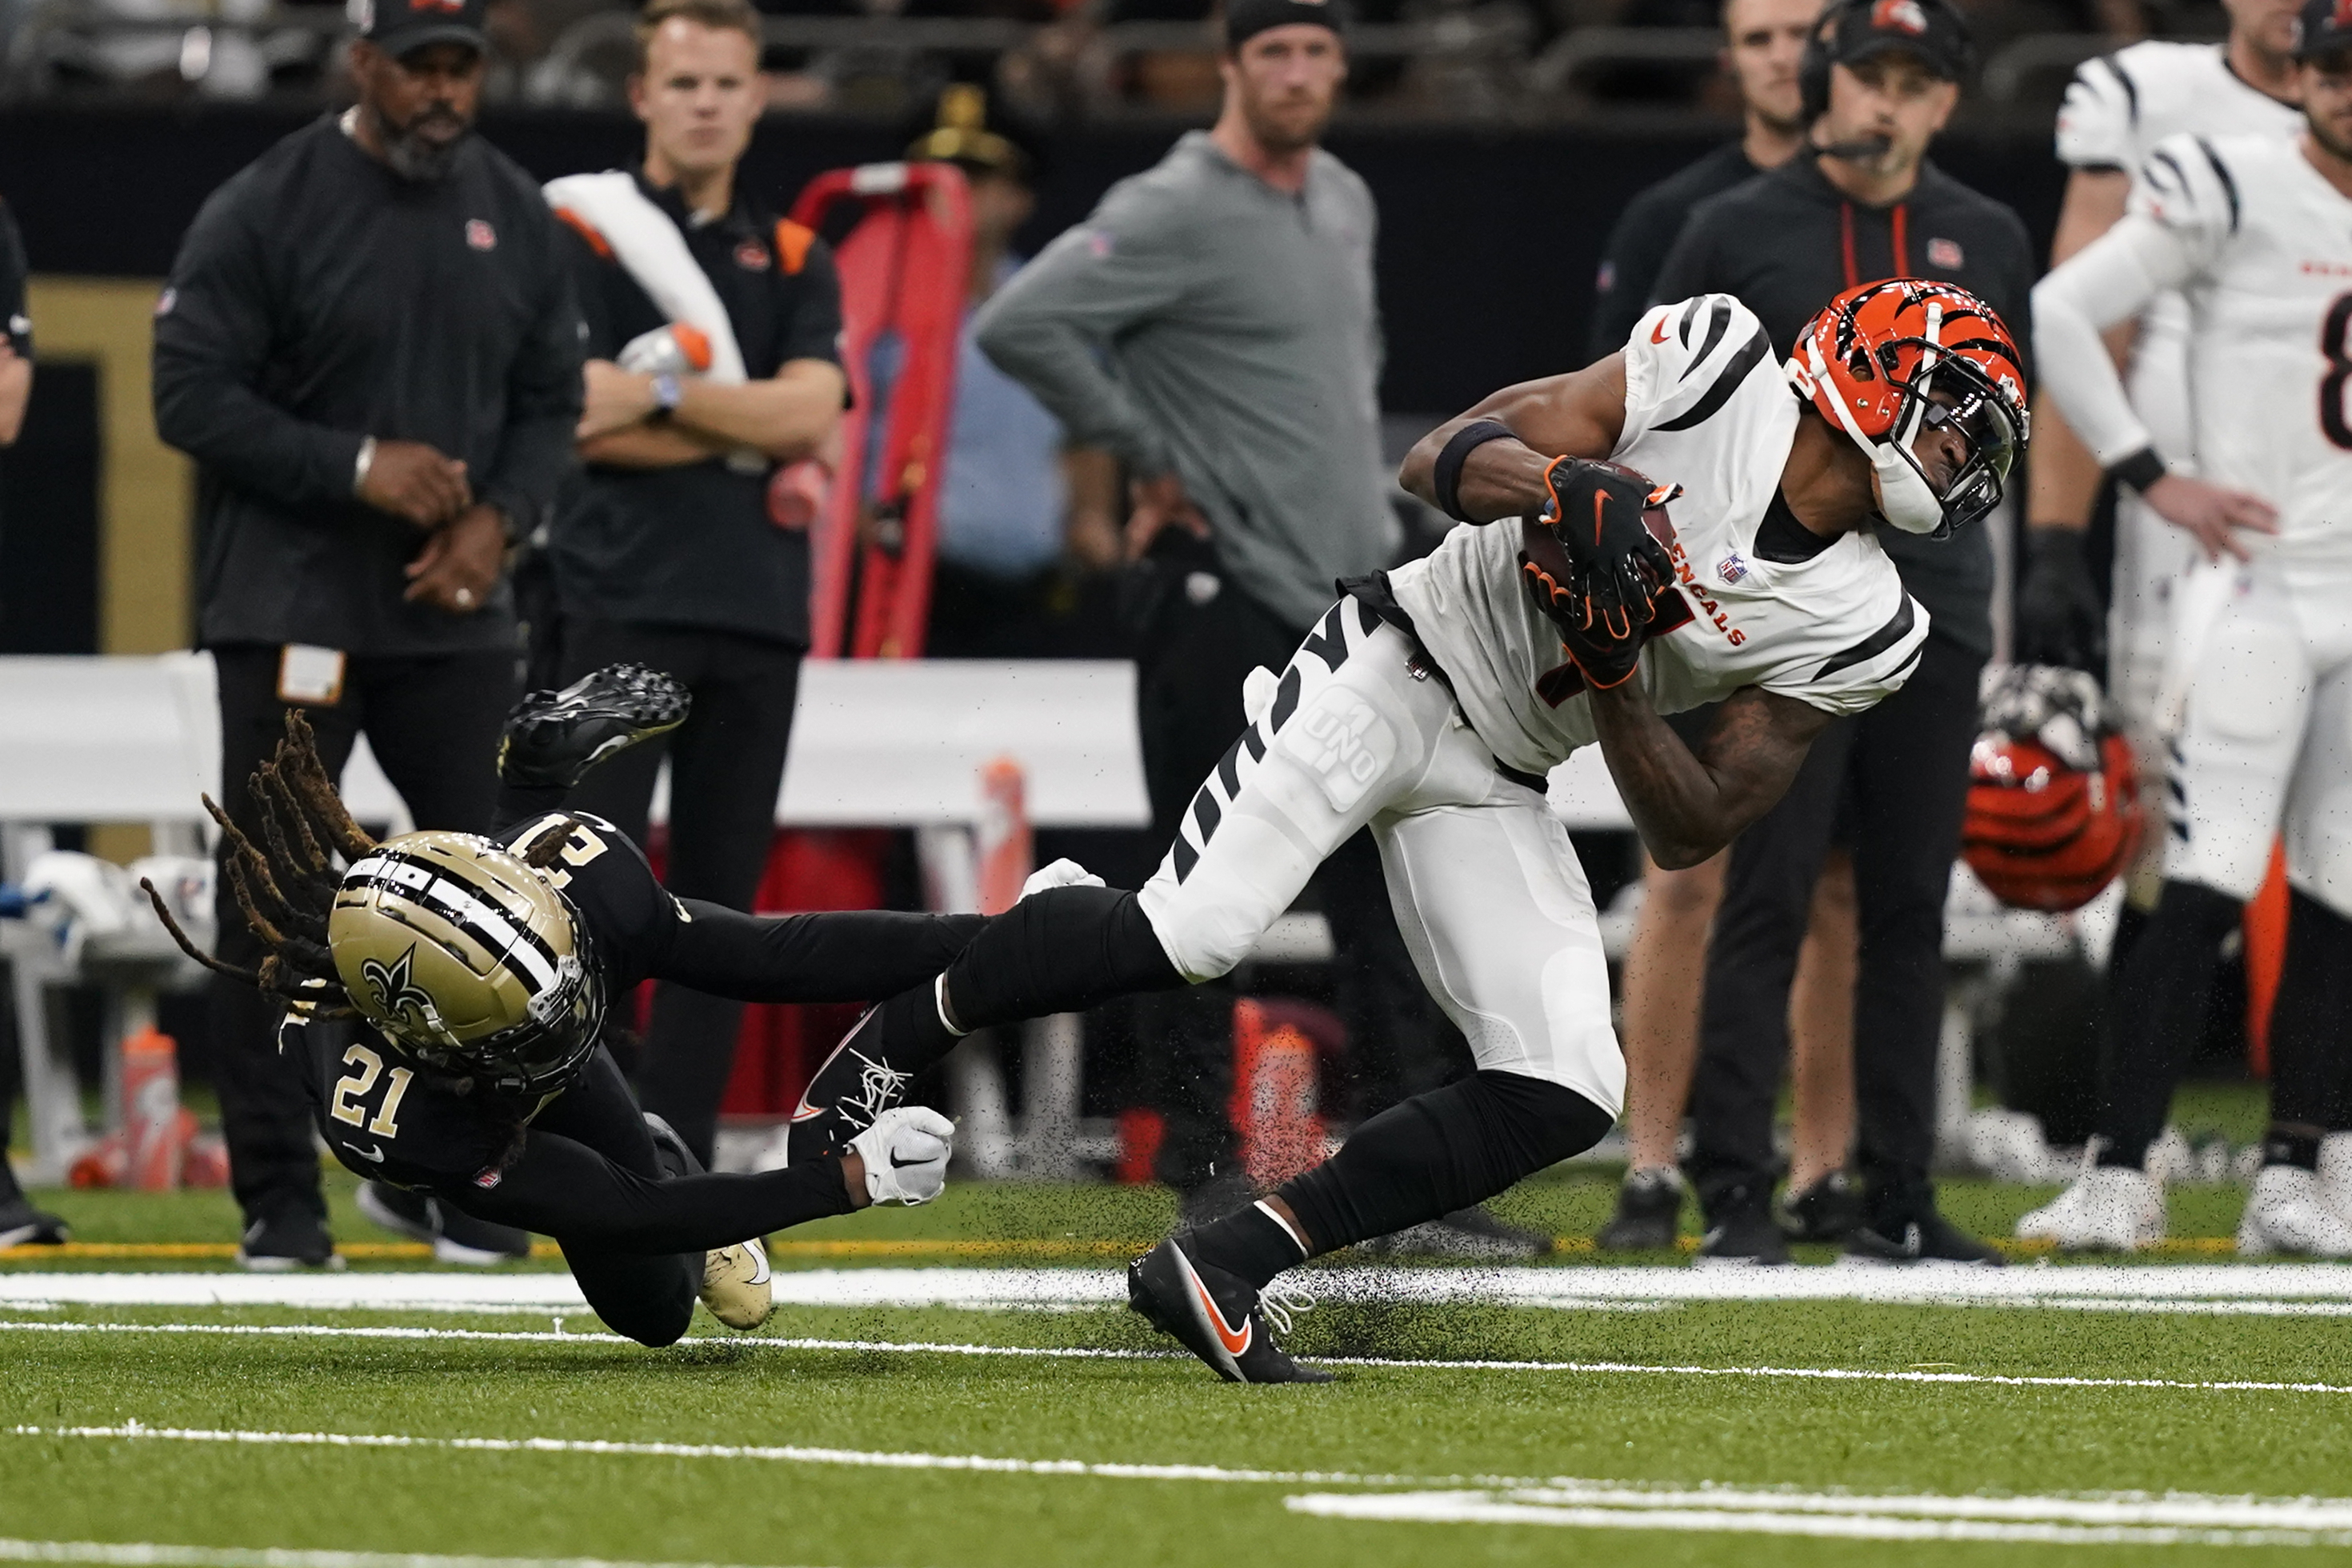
pixel 939 1001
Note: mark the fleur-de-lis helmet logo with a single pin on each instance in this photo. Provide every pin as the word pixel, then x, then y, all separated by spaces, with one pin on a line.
pixel 398 998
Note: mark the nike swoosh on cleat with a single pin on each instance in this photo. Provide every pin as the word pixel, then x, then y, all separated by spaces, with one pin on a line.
pixel 1236 1340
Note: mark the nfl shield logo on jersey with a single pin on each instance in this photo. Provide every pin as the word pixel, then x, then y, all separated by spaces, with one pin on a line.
pixel 1732 568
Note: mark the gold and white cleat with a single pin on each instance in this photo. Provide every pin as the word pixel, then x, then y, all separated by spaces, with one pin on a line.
pixel 735 1284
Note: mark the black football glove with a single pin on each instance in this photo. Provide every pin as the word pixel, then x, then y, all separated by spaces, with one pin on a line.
pixel 1595 511
pixel 2059 618
pixel 1605 645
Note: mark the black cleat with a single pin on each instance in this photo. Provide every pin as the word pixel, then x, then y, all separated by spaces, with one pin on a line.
pixel 455 1236
pixel 1740 1231
pixel 1649 1213
pixel 289 1237
pixel 1829 1210
pixel 1470 1235
pixel 848 1091
pixel 1921 1236
pixel 553 738
pixel 22 1225
pixel 1219 1316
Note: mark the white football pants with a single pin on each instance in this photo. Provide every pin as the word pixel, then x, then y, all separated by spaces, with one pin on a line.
pixel 1489 893
pixel 2266 741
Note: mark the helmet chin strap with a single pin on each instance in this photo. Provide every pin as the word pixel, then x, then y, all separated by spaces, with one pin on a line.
pixel 1905 498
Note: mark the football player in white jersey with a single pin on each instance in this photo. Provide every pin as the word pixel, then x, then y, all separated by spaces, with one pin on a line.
pixel 1431 702
pixel 2116 110
pixel 2256 233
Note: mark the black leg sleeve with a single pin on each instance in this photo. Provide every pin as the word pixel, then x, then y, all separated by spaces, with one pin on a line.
pixel 1060 951
pixel 2156 1012
pixel 1440 1152
pixel 2307 1021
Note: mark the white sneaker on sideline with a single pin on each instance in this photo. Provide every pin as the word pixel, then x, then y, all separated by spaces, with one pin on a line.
pixel 2335 1172
pixel 2286 1212
pixel 2110 1208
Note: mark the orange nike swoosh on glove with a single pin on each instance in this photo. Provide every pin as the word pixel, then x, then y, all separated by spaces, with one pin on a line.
pixel 1658 333
pixel 1233 1340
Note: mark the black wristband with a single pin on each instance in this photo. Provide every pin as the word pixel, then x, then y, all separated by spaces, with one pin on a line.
pixel 2139 471
pixel 1447 475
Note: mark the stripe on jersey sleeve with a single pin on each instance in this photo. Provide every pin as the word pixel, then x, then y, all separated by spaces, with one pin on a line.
pixel 1898 627
pixel 1726 382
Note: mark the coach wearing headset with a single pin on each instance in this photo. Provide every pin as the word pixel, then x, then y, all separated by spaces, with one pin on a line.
pixel 1880 79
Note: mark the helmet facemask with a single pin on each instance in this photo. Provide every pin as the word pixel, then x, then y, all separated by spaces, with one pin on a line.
pixel 1969 402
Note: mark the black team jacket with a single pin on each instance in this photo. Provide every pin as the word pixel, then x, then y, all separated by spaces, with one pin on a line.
pixel 1788 242
pixel 320 298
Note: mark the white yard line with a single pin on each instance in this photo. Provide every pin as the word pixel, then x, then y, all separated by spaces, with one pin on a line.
pixel 1644 1369
pixel 154 1555
pixel 2173 1518
pixel 1482 1507
pixel 2265 1289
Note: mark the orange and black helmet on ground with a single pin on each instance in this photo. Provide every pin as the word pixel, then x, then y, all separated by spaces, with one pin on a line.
pixel 2053 809
pixel 1883 361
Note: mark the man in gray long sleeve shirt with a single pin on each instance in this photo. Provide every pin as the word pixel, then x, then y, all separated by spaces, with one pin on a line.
pixel 1214 323
pixel 1215 320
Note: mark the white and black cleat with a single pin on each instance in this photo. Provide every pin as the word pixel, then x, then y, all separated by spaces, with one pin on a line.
pixel 553 738
pixel 849 1089
pixel 1218 1316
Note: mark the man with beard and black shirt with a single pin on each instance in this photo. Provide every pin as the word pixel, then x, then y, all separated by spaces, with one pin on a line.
pixel 1882 77
pixel 664 550
pixel 369 345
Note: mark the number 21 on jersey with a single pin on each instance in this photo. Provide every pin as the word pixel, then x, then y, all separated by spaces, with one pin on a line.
pixel 358 1084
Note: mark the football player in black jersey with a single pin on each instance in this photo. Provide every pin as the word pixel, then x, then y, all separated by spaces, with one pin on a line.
pixel 445 993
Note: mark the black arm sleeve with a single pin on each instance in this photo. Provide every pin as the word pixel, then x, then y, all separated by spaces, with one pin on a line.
pixel 213 330
pixel 564 1189
pixel 854 955
pixel 543 397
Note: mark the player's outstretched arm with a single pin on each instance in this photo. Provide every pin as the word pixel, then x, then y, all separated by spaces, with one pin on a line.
pixel 1579 415
pixel 561 1187
pixel 1687 806
pixel 850 955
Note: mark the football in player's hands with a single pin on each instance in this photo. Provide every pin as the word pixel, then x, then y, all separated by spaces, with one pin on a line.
pixel 905 1151
pixel 1606 646
pixel 1600 513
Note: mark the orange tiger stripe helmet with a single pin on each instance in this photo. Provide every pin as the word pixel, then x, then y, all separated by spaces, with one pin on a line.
pixel 1887 359
pixel 2053 812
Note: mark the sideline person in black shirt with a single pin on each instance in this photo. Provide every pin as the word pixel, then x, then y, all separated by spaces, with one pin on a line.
pixel 665 553
pixel 369 346
pixel 1763 40
pixel 20 1223
pixel 1868 206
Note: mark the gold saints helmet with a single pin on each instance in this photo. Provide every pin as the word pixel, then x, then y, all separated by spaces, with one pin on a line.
pixel 464 956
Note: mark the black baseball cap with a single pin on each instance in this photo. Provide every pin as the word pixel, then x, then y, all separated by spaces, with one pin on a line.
pixel 1245 19
pixel 1931 31
pixel 398 26
pixel 2323 27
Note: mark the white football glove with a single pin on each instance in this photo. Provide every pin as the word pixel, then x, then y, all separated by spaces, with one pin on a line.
pixel 906 1153
pixel 1064 873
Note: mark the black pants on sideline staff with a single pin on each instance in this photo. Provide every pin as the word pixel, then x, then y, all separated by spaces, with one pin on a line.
pixel 1902 771
pixel 433 722
pixel 1195 646
pixel 727 763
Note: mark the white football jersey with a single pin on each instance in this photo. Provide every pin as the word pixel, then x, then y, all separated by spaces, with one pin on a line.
pixel 2267 243
pixel 1708 408
pixel 2116 110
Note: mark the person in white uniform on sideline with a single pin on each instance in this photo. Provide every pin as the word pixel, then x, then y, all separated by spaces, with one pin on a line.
pixel 2256 233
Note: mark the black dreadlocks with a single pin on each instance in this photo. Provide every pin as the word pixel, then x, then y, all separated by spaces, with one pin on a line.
pixel 286 894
